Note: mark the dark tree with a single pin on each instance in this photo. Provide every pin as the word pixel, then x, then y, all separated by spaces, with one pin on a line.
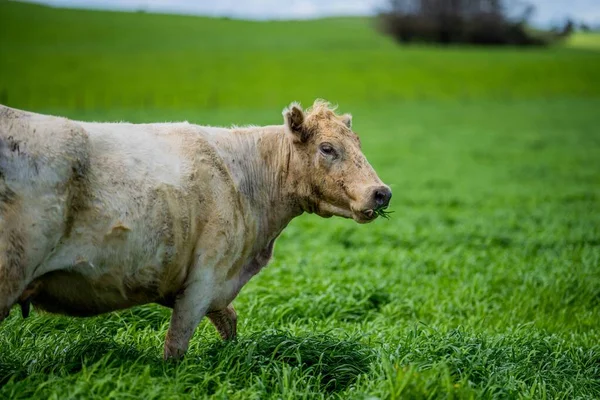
pixel 568 28
pixel 482 22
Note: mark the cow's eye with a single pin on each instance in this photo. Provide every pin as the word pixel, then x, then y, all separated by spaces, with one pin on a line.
pixel 327 150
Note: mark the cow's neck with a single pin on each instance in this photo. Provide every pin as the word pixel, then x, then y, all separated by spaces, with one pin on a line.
pixel 259 160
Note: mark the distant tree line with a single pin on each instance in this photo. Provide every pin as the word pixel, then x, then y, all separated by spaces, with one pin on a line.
pixel 479 22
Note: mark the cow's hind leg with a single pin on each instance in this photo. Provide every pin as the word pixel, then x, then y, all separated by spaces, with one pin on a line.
pixel 225 321
pixel 25 298
pixel 12 252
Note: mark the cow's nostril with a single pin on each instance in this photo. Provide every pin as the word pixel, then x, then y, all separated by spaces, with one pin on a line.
pixel 382 196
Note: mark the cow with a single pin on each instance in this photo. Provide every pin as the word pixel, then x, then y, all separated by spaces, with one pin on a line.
pixel 97 217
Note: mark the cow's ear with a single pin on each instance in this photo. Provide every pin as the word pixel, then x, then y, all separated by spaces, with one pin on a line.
pixel 293 117
pixel 347 120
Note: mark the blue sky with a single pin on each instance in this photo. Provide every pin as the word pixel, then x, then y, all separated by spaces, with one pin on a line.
pixel 547 11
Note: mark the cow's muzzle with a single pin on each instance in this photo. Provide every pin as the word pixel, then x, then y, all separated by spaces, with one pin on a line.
pixel 378 199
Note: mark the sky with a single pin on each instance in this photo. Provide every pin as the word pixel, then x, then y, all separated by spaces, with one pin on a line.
pixel 548 12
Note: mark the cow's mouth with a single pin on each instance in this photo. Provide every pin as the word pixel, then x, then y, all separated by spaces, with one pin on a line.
pixel 327 210
pixel 365 216
pixel 370 214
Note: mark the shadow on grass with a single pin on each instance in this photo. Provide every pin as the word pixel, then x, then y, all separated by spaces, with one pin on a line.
pixel 80 354
pixel 320 360
pixel 317 360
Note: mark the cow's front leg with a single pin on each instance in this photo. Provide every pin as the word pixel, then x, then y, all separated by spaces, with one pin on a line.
pixel 188 310
pixel 225 321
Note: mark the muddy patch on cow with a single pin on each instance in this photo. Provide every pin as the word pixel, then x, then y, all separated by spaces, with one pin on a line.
pixel 79 194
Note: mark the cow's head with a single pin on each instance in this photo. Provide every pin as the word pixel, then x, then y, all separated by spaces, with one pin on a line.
pixel 332 176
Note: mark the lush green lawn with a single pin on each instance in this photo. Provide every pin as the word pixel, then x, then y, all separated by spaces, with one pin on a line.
pixel 485 282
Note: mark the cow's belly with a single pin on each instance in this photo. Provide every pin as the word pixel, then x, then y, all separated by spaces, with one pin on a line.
pixel 72 293
pixel 83 279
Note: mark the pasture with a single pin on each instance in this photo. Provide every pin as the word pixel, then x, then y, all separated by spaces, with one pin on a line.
pixel 485 282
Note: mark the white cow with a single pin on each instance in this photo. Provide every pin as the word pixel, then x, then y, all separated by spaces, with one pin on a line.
pixel 96 217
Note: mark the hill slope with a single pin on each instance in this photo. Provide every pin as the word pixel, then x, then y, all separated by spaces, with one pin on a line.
pixel 103 60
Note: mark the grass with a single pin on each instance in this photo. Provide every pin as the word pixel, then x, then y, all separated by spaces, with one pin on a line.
pixel 484 283
pixel 383 213
pixel 585 40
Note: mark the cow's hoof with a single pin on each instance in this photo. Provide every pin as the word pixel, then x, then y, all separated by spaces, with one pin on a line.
pixel 172 353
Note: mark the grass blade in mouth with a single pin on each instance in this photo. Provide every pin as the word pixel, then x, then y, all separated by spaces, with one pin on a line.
pixel 382 212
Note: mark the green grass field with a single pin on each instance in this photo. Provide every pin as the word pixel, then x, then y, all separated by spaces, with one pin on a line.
pixel 485 283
